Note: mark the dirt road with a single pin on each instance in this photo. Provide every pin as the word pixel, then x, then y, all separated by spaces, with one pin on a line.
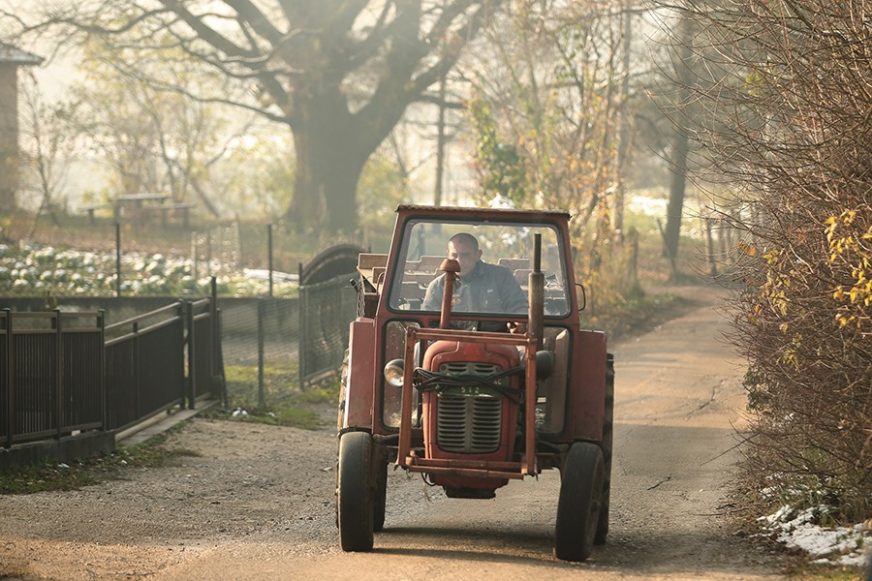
pixel 256 503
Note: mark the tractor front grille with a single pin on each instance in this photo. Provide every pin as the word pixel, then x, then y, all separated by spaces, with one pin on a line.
pixel 468 420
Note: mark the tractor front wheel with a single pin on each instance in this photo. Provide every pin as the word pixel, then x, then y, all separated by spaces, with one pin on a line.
pixel 581 485
pixel 354 492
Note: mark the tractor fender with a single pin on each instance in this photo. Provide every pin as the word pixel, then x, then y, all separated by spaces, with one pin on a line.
pixel 588 386
pixel 360 378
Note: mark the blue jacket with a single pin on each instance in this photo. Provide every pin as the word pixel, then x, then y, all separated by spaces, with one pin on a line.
pixel 487 289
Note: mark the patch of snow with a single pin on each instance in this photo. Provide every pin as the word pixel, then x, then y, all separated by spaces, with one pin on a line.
pixel 828 545
pixel 263 274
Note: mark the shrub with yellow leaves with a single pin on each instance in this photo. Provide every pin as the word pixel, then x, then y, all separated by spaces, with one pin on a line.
pixel 795 137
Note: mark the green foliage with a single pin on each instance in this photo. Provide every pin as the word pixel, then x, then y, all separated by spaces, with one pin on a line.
pixel 258 175
pixel 380 190
pixel 500 165
pixel 285 404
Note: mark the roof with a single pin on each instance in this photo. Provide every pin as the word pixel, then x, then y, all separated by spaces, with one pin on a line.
pixel 495 212
pixel 10 54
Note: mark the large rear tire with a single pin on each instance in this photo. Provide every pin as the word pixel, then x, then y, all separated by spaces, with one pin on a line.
pixel 581 483
pixel 602 529
pixel 354 492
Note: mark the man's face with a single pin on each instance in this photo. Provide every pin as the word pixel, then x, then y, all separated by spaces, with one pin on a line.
pixel 465 254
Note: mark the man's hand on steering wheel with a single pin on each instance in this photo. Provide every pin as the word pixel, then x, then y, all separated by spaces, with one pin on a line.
pixel 516 328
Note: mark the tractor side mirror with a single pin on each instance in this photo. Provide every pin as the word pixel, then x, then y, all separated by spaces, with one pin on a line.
pixel 582 297
pixel 544 364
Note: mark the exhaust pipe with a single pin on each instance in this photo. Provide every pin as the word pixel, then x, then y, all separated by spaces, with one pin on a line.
pixel 536 294
pixel 450 267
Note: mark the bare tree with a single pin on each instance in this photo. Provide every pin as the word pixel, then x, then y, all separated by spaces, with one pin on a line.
pixel 681 140
pixel 546 114
pixel 338 73
pixel 47 143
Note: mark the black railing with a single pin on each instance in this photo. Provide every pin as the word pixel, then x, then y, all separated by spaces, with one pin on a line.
pixel 51 379
pixel 203 350
pixel 63 373
pixel 145 365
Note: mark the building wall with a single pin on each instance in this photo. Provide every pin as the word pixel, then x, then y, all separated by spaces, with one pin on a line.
pixel 8 135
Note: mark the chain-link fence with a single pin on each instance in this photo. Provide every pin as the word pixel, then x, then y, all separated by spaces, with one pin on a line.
pixel 326 310
pixel 260 338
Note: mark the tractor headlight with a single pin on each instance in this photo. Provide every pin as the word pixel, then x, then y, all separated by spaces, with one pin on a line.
pixel 394 372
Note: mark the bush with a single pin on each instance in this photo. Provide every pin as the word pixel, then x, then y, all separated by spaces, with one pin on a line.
pixel 787 124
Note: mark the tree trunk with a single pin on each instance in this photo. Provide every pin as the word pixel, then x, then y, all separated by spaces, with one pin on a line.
pixel 681 141
pixel 675 207
pixel 440 144
pixel 329 162
pixel 624 134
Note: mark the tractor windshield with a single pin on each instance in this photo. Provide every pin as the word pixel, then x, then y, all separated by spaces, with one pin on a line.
pixel 495 259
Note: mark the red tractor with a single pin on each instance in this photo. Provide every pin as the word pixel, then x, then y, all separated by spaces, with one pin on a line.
pixel 473 386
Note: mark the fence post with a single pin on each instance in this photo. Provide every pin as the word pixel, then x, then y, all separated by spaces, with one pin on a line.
pixel 710 248
pixel 59 373
pixel 269 242
pixel 117 258
pixel 633 263
pixel 220 363
pixel 194 257
pixel 213 323
pixel 208 250
pixel 261 396
pixel 9 407
pixel 137 371
pixel 239 260
pixel 184 384
pixel 301 325
pixel 192 374
pixel 101 365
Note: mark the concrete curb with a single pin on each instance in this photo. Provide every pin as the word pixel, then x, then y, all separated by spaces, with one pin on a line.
pixel 158 424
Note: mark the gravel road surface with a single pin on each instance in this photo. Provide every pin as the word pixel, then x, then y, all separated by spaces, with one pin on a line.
pixel 257 501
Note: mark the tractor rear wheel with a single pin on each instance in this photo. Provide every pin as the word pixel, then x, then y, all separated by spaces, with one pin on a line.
pixel 602 529
pixel 354 492
pixel 581 484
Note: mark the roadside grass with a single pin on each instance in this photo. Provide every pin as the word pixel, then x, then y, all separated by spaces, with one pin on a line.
pixel 800 568
pixel 284 403
pixel 58 476
pixel 639 314
pixel 621 306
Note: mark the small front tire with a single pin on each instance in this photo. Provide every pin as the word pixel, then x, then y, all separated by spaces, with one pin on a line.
pixel 354 492
pixel 581 485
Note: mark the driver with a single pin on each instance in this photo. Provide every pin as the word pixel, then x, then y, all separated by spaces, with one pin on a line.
pixel 482 287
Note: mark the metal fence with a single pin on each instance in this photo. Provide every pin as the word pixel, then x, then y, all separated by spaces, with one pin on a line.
pixel 205 363
pixel 326 309
pixel 51 378
pixel 61 373
pixel 145 365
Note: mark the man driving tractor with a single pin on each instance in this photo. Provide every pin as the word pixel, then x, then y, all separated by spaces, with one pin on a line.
pixel 483 287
